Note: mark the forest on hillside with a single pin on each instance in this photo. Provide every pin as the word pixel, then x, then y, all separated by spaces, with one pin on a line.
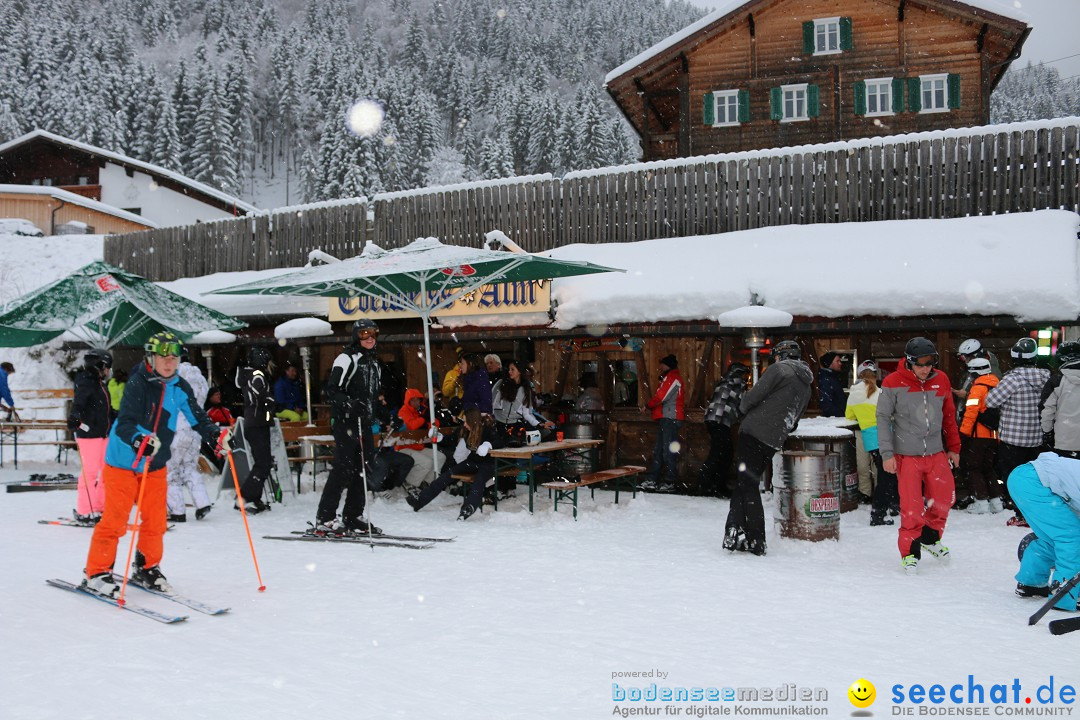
pixel 235 92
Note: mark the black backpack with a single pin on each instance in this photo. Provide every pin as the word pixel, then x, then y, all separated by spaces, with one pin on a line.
pixel 990 418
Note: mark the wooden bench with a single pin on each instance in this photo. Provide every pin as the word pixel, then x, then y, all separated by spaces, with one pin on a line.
pixel 620 476
pixel 505 472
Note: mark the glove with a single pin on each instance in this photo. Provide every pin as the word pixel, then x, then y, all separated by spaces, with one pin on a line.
pixel 153 444
pixel 224 443
pixel 484 449
pixel 72 423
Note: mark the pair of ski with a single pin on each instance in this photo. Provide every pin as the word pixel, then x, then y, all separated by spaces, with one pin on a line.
pixel 72 522
pixel 139 609
pixel 1065 625
pixel 410 542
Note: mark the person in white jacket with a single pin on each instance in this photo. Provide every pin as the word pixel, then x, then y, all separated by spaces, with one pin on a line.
pixel 183 466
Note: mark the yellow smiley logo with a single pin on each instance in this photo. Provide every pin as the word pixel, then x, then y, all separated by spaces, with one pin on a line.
pixel 862 693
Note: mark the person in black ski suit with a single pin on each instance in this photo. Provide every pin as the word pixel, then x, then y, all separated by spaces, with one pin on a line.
pixel 353 392
pixel 90 420
pixel 720 418
pixel 481 438
pixel 253 380
pixel 770 412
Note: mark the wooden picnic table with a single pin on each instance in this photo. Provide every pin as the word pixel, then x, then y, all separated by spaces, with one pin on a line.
pixel 512 457
pixel 11 429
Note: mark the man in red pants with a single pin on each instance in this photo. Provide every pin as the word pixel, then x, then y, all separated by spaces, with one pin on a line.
pixel 139 440
pixel 918 441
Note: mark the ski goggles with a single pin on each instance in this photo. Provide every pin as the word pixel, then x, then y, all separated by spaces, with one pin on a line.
pixel 167 349
pixel 367 334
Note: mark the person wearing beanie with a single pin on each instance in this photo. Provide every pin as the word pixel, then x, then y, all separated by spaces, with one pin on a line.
pixel 666 405
pixel 830 385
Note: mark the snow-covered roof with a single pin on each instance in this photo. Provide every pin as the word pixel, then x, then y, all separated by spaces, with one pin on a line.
pixel 148 168
pixel 74 199
pixel 1004 8
pixel 1024 265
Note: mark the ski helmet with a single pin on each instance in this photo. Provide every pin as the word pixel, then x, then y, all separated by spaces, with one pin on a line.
pixel 258 357
pixel 787 350
pixel 163 343
pixel 737 370
pixel 1023 352
pixel 98 359
pixel 363 327
pixel 866 365
pixel 1068 353
pixel 979 366
pixel 918 347
pixel 970 346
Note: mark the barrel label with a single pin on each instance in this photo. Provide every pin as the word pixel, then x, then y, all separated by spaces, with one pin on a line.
pixel 827 504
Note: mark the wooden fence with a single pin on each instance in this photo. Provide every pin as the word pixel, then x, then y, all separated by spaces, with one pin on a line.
pixel 944 174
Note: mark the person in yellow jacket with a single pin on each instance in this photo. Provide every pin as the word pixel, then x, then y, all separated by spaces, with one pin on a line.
pixel 116 386
pixel 451 388
pixel 979 453
pixel 862 407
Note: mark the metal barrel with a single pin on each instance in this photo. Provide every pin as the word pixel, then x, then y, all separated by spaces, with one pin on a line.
pixel 807 493
pixel 582 461
pixel 847 470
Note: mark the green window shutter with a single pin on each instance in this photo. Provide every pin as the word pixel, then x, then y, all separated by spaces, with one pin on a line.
pixel 847 42
pixel 808 44
pixel 744 106
pixel 954 91
pixel 898 95
pixel 813 107
pixel 860 97
pixel 914 94
pixel 710 109
pixel 776 104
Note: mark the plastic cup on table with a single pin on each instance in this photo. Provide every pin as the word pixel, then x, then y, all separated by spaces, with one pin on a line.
pixel 559 436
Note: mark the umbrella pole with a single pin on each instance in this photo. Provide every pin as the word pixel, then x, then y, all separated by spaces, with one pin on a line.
pixel 305 355
pixel 425 318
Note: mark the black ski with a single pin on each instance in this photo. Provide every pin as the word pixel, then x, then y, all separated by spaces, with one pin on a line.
pixel 71 522
pixel 355 540
pixel 1065 625
pixel 1052 600
pixel 182 599
pixel 128 605
pixel 403 538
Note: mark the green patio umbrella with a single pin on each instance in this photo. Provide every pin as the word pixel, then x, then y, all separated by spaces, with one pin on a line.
pixel 423 277
pixel 105 305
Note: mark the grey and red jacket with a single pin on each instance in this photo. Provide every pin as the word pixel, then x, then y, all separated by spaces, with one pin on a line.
pixel 916 418
pixel 667 402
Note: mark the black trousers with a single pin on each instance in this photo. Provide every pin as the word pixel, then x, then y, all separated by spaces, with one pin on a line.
pixel 978 457
pixel 714 471
pixel 258 439
pixel 350 455
pixel 747 513
pixel 482 470
pixel 886 492
pixel 1010 457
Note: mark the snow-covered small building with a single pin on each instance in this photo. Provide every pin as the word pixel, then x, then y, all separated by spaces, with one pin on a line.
pixel 164 197
pixel 57 212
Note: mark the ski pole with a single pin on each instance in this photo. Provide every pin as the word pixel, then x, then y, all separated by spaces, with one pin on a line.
pixel 243 512
pixel 134 530
pixel 363 471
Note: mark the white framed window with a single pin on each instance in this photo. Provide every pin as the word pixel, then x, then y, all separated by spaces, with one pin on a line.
pixel 934 93
pixel 726 108
pixel 793 103
pixel 879 96
pixel 827 36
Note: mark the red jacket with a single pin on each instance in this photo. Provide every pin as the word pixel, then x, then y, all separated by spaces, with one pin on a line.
pixel 411 417
pixel 667 402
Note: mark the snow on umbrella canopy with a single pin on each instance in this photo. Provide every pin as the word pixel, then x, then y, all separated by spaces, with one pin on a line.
pixel 423 277
pixel 109 302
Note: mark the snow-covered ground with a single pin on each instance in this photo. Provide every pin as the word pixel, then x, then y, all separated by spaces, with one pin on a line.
pixel 520 617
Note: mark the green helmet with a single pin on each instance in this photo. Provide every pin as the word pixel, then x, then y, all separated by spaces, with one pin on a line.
pixel 165 344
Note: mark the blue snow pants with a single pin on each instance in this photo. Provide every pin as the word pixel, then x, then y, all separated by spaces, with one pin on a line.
pixel 1057 548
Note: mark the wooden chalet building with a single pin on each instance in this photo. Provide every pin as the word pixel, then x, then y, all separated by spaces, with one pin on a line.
pixel 772 73
pixel 165 198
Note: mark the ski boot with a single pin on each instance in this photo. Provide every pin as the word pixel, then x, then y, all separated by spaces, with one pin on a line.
pixel 202 512
pixel 361 527
pixel 910 565
pixel 102 584
pixel 329 528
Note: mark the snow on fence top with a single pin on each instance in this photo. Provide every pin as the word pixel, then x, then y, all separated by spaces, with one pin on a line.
pixel 840 145
pixel 519 180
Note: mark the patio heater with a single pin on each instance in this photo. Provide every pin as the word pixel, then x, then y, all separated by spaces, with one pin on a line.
pixel 754 320
pixel 304 329
pixel 206 340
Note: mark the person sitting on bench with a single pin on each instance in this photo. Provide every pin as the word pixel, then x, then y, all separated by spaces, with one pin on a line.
pixel 481 438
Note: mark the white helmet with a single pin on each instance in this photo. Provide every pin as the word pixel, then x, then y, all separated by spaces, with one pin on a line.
pixel 970 347
pixel 979 366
